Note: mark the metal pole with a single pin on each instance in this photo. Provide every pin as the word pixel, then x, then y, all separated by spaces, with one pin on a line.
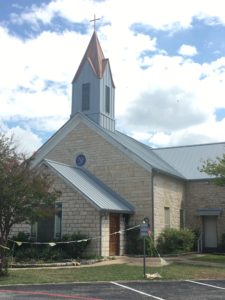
pixel 144 258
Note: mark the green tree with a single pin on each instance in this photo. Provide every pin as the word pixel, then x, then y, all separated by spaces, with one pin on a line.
pixel 216 169
pixel 25 193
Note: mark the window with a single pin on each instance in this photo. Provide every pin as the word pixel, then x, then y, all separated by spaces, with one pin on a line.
pixel 85 96
pixel 80 160
pixel 182 218
pixel 107 99
pixel 167 217
pixel 58 220
pixel 33 231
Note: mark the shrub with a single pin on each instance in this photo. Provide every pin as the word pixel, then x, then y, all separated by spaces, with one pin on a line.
pixel 135 243
pixel 175 241
pixel 30 251
pixel 74 250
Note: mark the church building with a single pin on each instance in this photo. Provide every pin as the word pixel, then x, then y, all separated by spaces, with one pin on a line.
pixel 111 182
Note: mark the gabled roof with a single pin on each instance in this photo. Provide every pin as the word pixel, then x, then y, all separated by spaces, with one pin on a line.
pixel 189 159
pixel 145 153
pixel 137 151
pixel 95 191
pixel 181 162
pixel 94 55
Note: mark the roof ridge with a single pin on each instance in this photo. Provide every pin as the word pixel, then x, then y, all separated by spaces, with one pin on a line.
pixel 186 146
pixel 149 149
pixel 56 162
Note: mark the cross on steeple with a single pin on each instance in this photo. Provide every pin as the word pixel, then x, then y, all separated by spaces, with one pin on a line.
pixel 94 20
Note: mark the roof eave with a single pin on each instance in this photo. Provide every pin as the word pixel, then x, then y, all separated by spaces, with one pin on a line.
pixel 99 208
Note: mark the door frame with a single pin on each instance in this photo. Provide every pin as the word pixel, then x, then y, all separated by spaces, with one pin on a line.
pixel 204 220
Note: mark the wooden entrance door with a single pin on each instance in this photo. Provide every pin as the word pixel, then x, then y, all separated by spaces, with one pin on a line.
pixel 114 240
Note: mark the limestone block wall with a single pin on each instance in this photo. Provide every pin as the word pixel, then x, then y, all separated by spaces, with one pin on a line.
pixel 23 227
pixel 168 192
pixel 105 235
pixel 110 165
pixel 78 215
pixel 204 194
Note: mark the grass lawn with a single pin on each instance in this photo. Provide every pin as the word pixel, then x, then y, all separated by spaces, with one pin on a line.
pixel 109 273
pixel 211 258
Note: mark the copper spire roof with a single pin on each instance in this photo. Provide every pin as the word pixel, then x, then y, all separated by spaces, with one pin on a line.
pixel 94 55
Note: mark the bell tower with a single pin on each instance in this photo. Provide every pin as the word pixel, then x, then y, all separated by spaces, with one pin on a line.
pixel 93 89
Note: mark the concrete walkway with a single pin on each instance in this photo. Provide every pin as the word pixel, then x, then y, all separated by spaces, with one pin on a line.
pixel 189 260
pixel 160 261
pixel 136 261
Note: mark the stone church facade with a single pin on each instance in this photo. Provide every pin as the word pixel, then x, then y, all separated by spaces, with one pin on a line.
pixel 111 182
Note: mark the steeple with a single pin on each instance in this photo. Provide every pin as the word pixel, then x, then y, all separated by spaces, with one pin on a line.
pixel 93 87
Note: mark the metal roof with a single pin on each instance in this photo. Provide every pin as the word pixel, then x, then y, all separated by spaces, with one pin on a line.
pixel 95 56
pixel 188 160
pixel 96 192
pixel 183 162
pixel 145 153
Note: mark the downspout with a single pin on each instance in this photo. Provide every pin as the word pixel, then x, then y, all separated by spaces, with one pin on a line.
pixel 100 240
pixel 152 195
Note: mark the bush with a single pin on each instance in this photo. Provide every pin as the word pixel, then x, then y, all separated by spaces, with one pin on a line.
pixel 45 252
pixel 175 241
pixel 75 250
pixel 135 243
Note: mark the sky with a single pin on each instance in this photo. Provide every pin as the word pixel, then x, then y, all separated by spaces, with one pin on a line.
pixel 167 59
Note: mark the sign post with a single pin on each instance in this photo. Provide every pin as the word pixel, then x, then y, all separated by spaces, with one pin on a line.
pixel 144 231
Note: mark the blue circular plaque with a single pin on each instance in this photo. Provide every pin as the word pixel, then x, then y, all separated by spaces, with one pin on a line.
pixel 80 160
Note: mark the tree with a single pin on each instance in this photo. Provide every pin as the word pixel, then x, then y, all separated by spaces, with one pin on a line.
pixel 216 169
pixel 25 193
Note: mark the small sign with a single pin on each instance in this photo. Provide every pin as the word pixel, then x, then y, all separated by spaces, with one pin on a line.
pixel 144 229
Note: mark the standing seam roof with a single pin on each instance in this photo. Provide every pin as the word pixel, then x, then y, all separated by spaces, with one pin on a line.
pixel 145 153
pixel 188 160
pixel 94 190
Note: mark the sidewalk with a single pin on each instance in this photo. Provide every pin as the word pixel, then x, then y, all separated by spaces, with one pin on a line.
pixel 188 259
pixel 131 260
pixel 160 261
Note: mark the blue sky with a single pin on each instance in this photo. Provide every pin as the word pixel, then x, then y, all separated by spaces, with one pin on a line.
pixel 167 58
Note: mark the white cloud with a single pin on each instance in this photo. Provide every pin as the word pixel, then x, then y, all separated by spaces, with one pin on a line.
pixel 178 102
pixel 187 50
pixel 173 14
pixel 207 132
pixel 25 140
pixel 161 98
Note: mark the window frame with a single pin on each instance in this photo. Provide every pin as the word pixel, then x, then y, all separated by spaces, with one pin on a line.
pixel 167 217
pixel 85 104
pixel 107 99
pixel 58 220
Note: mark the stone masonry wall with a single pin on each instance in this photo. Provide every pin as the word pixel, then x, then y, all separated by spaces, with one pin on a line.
pixel 23 227
pixel 204 194
pixel 78 215
pixel 110 165
pixel 168 192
